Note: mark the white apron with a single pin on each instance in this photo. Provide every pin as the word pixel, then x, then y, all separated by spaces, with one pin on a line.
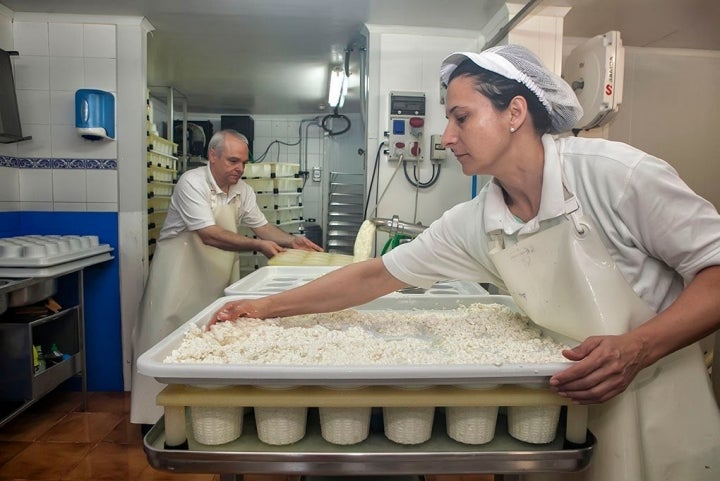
pixel 185 277
pixel 666 425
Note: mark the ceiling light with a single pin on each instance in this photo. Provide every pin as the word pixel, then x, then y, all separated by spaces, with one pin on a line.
pixel 338 88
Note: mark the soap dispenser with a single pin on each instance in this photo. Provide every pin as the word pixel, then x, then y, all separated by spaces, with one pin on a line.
pixel 95 114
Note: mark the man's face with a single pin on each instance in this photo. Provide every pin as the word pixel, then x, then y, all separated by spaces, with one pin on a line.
pixel 227 164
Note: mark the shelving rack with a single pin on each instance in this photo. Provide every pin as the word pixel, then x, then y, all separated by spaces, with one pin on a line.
pixel 345 211
pixel 278 190
pixel 162 167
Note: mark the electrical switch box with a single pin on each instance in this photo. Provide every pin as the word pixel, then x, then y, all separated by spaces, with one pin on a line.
pixel 437 149
pixel 407 124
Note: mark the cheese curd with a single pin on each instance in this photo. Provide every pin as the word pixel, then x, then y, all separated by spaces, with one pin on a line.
pixel 474 334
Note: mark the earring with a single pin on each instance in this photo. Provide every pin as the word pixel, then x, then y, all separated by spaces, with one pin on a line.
pixel 512 130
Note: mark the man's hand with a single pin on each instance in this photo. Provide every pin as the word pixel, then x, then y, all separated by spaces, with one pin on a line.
pixel 269 248
pixel 303 243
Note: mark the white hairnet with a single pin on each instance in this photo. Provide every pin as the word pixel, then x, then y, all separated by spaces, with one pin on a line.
pixel 518 63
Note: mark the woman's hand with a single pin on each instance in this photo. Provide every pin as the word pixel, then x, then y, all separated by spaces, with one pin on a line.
pixel 234 310
pixel 606 365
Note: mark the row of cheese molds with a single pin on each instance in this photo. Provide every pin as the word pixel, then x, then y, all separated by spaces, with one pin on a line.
pixel 351 425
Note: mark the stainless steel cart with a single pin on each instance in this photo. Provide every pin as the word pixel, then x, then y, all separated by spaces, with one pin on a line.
pixel 377 455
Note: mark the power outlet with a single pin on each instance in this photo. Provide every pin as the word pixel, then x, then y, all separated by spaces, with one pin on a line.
pixel 316 174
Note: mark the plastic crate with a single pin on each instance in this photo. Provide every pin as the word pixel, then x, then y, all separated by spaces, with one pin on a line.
pixel 287 184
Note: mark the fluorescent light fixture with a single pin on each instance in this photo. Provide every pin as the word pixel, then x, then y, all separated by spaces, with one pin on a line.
pixel 338 88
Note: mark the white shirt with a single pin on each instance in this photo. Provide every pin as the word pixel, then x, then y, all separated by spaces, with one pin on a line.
pixel 196 192
pixel 657 230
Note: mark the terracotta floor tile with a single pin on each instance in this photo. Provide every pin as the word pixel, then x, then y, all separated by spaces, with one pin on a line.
pixel 125 433
pixel 30 425
pixel 105 462
pixel 44 461
pixel 109 402
pixel 9 449
pixel 59 401
pixel 82 427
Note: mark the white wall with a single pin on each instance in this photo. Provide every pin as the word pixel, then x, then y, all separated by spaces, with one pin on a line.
pixel 671 105
pixel 403 59
pixel 57 169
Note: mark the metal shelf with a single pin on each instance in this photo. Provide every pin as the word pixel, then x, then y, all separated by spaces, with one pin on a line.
pixel 345 202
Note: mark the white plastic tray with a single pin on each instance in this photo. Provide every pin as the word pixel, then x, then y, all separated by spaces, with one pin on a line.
pixel 48 250
pixel 274 279
pixel 151 363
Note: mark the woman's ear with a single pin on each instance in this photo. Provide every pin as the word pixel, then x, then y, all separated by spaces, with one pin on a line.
pixel 518 110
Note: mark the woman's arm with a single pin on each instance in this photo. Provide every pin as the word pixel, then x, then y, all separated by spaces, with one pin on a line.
pixel 607 364
pixel 348 286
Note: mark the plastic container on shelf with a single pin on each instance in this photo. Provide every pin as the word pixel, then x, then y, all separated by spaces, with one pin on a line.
pixel 287 184
pixel 284 169
pixel 261 186
pixel 257 170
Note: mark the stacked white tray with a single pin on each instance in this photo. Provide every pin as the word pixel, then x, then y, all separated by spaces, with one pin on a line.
pixel 49 255
pixel 274 279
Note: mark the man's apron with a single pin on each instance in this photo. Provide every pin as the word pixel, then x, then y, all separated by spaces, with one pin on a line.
pixel 666 425
pixel 185 277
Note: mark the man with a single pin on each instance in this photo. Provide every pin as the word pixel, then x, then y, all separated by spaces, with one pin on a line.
pixel 196 253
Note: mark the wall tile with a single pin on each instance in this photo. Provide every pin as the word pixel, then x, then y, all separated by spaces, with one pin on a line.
pixel 66 40
pixel 101 73
pixel 62 107
pixel 32 73
pixel 9 184
pixel 9 149
pixel 102 186
pixel 9 206
pixel 69 185
pixel 36 206
pixel 102 206
pixel 39 145
pixel 262 128
pixel 313 146
pixel 31 38
pixel 260 144
pixel 66 73
pixel 294 132
pixel 34 106
pixel 99 41
pixel 67 143
pixel 36 185
pixel 278 129
pixel 69 207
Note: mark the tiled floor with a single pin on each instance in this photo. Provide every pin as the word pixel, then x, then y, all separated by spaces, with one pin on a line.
pixel 54 440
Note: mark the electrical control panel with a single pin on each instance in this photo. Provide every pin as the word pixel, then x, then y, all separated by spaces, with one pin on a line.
pixel 406 126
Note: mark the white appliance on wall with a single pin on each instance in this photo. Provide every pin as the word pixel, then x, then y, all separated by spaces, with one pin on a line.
pixel 595 71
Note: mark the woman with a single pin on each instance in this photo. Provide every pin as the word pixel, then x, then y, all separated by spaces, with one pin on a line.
pixel 594 239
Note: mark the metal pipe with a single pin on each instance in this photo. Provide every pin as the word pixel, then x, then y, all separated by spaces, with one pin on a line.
pixel 396 226
pixel 505 29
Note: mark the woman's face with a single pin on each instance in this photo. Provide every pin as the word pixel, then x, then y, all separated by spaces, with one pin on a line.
pixel 476 132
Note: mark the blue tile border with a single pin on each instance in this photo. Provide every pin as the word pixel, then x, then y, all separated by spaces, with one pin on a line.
pixel 50 163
